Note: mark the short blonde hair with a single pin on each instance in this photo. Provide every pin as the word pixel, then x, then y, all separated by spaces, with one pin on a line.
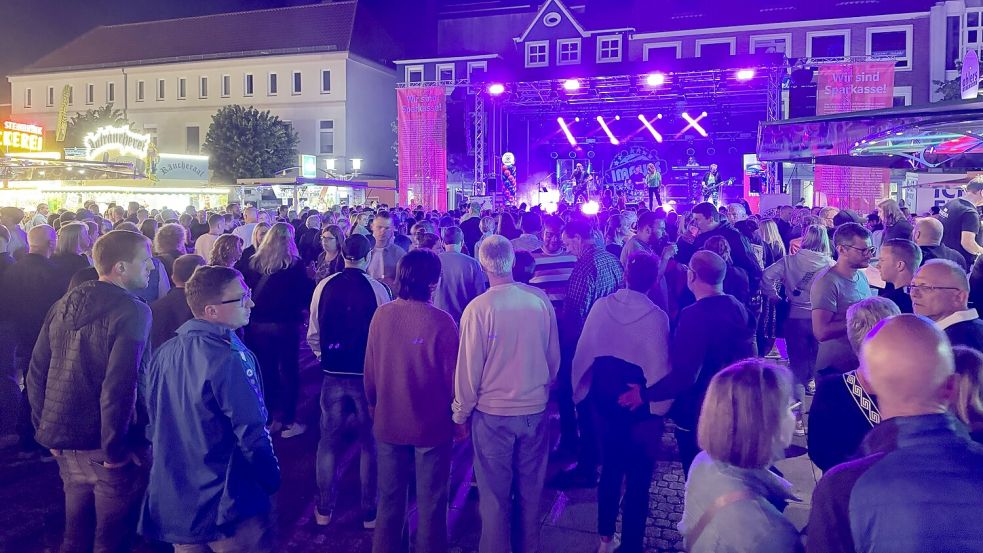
pixel 73 238
pixel 496 255
pixel 741 419
pixel 864 315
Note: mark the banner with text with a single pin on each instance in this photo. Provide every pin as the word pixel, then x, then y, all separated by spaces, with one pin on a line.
pixel 848 87
pixel 422 143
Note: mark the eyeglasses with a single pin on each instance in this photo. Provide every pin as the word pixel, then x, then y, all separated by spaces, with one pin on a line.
pixel 242 301
pixel 869 251
pixel 924 288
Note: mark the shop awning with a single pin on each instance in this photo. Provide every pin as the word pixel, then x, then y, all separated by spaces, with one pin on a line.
pixel 944 136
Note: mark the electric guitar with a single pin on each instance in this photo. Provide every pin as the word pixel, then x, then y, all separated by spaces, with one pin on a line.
pixel 709 189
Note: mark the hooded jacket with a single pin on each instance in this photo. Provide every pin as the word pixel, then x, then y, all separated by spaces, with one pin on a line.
pixel 84 374
pixel 628 326
pixel 796 273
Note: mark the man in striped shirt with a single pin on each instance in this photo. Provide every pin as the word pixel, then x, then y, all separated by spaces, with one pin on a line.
pixel 553 263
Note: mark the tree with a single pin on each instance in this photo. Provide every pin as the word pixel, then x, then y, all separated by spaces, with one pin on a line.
pixel 950 89
pixel 244 142
pixel 88 121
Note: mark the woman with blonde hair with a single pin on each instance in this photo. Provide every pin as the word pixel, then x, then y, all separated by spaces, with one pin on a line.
pixel 968 403
pixel 745 425
pixel 896 225
pixel 259 232
pixel 227 251
pixel 281 291
pixel 360 223
pixel 69 256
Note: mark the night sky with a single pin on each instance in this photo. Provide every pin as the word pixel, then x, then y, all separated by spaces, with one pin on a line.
pixel 30 29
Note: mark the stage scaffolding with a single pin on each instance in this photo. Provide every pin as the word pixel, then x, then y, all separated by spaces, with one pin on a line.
pixel 694 91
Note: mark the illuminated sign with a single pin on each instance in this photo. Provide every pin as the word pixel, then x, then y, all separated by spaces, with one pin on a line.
pixel 22 137
pixel 308 166
pixel 116 139
pixel 181 167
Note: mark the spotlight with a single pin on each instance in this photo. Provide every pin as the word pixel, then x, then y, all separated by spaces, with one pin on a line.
pixel 550 207
pixel 655 79
pixel 607 131
pixel 576 120
pixel 590 208
pixel 745 74
pixel 571 85
pixel 617 118
pixel 566 131
pixel 651 129
pixel 496 89
pixel 694 124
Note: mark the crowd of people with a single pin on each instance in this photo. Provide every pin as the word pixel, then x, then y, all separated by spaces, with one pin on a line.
pixel 155 354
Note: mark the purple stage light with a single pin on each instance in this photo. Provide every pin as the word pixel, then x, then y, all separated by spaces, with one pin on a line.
pixel 694 124
pixel 566 131
pixel 617 118
pixel 571 85
pixel 651 129
pixel 655 79
pixel 576 120
pixel 590 208
pixel 607 131
pixel 745 74
pixel 496 89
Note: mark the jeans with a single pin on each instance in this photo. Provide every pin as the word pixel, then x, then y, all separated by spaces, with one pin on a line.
pixel 277 348
pixel 10 393
pixel 252 535
pixel 344 410
pixel 802 349
pixel 433 467
pixel 100 503
pixel 629 449
pixel 654 191
pixel 510 455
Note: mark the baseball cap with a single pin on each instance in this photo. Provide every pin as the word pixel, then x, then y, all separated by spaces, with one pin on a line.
pixel 356 247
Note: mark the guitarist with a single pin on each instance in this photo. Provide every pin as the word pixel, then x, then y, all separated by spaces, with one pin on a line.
pixel 711 184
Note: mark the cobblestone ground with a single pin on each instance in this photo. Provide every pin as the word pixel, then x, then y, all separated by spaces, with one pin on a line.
pixel 31 510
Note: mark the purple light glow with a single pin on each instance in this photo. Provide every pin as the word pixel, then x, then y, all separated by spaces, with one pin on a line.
pixel 745 74
pixel 607 131
pixel 694 124
pixel 648 125
pixel 590 208
pixel 655 79
pixel 566 131
pixel 496 89
pixel 571 85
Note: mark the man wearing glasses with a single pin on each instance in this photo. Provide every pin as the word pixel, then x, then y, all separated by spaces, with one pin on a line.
pixel 940 291
pixel 214 468
pixel 834 291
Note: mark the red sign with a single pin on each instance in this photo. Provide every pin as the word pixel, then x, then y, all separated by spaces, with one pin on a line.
pixel 842 88
pixel 422 143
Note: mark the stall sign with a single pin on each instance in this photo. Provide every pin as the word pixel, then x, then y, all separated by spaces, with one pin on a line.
pixel 181 167
pixel 308 166
pixel 19 136
pixel 969 78
pixel 121 140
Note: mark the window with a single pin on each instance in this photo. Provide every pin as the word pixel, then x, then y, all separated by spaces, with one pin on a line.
pixel 325 136
pixel 974 29
pixel 445 73
pixel 226 86
pixel 325 81
pixel 182 88
pixel 716 47
pixel 203 87
pixel 50 100
pixel 891 43
pixel 152 131
pixel 27 97
pixel 297 83
pixel 952 33
pixel 537 54
pixel 194 140
pixel 110 92
pixel 608 48
pixel 160 89
pixel 477 70
pixel 414 74
pixel 90 93
pixel 568 52
pixel 828 44
pixel 247 85
pixel 902 96
pixel 141 91
pixel 272 88
pixel 772 44
pixel 662 52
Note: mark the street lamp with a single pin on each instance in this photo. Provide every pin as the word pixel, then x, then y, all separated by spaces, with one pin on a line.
pixel 356 164
pixel 329 164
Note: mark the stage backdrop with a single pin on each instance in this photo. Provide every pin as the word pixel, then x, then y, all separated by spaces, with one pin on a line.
pixel 846 87
pixel 422 143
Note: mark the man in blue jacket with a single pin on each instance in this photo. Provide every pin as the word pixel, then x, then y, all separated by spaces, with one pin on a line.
pixel 214 467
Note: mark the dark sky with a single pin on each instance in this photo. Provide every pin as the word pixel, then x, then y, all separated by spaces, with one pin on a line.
pixel 30 29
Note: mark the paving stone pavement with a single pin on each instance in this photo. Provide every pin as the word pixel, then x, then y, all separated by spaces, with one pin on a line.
pixel 31 509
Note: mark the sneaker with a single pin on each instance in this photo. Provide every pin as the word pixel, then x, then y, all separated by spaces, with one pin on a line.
pixel 293 429
pixel 368 520
pixel 322 520
pixel 800 428
pixel 811 387
pixel 609 546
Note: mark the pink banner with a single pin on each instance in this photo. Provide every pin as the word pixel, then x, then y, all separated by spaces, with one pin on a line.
pixel 848 87
pixel 422 146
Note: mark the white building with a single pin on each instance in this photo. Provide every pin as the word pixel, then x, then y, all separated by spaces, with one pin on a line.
pixel 310 65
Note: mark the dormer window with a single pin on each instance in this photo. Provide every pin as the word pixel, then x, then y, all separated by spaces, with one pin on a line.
pixel 568 51
pixel 608 48
pixel 538 53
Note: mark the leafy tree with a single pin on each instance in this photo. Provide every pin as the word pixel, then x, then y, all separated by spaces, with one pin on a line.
pixel 244 142
pixel 950 89
pixel 88 121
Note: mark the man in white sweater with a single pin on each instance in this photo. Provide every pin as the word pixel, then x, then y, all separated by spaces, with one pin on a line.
pixel 508 359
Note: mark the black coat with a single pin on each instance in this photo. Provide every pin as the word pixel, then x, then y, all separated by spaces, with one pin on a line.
pixel 30 287
pixel 170 312
pixel 740 251
pixel 88 360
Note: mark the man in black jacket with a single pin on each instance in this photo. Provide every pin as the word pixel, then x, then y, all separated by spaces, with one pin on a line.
pixel 710 223
pixel 711 334
pixel 940 291
pixel 172 311
pixel 85 401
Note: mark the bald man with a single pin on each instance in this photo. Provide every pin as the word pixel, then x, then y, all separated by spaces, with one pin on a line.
pixel 928 236
pixel 30 287
pixel 711 334
pixel 919 487
pixel 940 291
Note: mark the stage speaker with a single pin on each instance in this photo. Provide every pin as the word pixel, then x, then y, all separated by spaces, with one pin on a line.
pixel 491 185
pixel 754 184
